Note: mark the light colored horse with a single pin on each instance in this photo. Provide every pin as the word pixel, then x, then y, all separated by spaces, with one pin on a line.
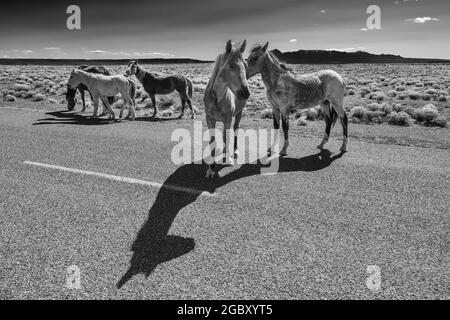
pixel 286 93
pixel 102 87
pixel 226 94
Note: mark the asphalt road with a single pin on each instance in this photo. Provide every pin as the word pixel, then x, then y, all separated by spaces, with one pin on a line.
pixel 310 231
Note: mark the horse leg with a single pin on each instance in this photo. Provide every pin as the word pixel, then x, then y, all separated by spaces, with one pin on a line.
pixel 329 114
pixel 83 100
pixel 229 159
pixel 338 104
pixel 185 99
pixel 95 101
pixel 237 121
pixel 285 126
pixel 183 105
pixel 111 115
pixel 211 126
pixel 276 126
pixel 131 111
pixel 152 96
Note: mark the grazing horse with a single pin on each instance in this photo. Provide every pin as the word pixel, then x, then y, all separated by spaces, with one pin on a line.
pixel 70 95
pixel 101 87
pixel 226 94
pixel 159 84
pixel 286 93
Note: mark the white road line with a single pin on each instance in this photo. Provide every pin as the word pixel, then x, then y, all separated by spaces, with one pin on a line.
pixel 121 179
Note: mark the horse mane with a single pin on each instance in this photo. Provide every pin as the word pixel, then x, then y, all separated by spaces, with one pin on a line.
pixel 279 64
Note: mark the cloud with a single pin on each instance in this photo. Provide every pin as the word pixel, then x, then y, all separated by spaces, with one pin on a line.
pixel 422 20
pixel 322 11
pixel 52 48
pixel 27 51
pixel 353 49
pixel 293 40
pixel 364 29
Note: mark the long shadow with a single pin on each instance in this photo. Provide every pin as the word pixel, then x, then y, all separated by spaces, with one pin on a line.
pixel 153 245
pixel 155 119
pixel 72 118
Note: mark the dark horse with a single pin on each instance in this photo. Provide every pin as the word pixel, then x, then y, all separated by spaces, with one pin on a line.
pixel 158 84
pixel 70 95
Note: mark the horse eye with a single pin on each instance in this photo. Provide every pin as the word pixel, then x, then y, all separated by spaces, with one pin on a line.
pixel 232 66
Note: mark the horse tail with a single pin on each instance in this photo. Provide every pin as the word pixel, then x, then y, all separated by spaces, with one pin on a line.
pixel 190 90
pixel 330 114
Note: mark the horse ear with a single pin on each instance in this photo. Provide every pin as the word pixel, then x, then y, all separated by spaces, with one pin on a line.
pixel 264 49
pixel 229 46
pixel 243 46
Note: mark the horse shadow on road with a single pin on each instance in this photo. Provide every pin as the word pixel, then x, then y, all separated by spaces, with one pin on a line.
pixel 153 245
pixel 72 118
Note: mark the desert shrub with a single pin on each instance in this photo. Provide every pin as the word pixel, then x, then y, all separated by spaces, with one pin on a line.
pixel 374 116
pixel 302 122
pixel 39 97
pixel 426 113
pixel 442 98
pixel 399 107
pixel 426 97
pixel 144 96
pixel 402 96
pixel 118 104
pixel 374 107
pixel 266 114
pixel 431 91
pixel 411 82
pixel 20 87
pixel 312 114
pixel 428 82
pixel 400 88
pixel 400 119
pixel 392 93
pixel 387 108
pixel 364 91
pixel 377 95
pixel 414 95
pixel 351 92
pixel 410 111
pixel 38 84
pixel 358 112
pixel 10 98
pixel 166 102
pixel 440 121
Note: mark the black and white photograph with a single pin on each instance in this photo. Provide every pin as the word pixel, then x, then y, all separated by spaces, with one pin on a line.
pixel 252 151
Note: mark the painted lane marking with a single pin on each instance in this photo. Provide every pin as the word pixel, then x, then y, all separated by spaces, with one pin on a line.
pixel 121 179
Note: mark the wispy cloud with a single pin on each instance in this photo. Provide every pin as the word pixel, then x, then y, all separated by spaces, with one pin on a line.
pixel 422 20
pixel 52 48
pixel 293 40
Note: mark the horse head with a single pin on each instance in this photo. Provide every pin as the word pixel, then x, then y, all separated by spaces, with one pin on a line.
pixel 255 60
pixel 233 70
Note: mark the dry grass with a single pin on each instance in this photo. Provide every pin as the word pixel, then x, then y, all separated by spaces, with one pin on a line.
pixel 375 93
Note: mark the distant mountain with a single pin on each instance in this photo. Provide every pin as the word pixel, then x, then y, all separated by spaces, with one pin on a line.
pixel 331 57
pixel 76 62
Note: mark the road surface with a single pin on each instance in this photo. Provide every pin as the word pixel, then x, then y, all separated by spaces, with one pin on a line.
pixel 107 199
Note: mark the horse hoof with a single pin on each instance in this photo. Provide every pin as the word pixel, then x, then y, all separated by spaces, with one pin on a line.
pixel 320 147
pixel 344 149
pixel 283 153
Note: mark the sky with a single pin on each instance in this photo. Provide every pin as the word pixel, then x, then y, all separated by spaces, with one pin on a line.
pixel 200 28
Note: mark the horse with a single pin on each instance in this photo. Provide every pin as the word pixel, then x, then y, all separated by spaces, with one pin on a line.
pixel 286 93
pixel 163 84
pixel 101 86
pixel 226 94
pixel 70 95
